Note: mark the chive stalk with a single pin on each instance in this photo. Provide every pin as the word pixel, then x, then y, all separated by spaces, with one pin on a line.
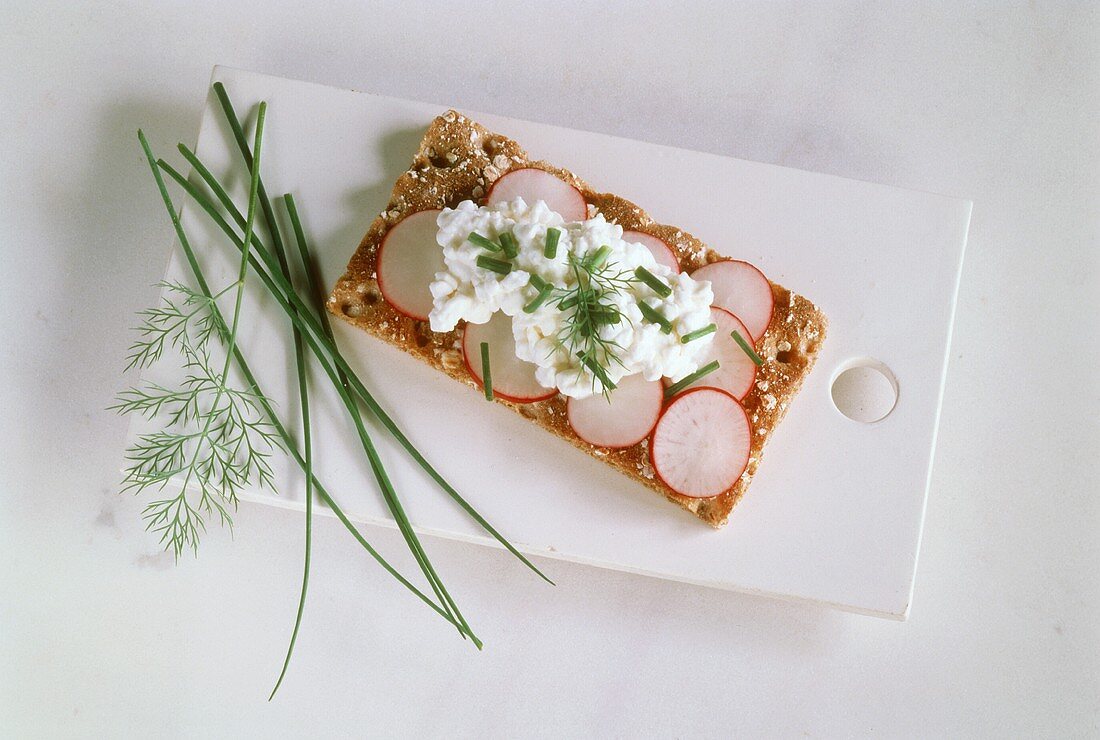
pixel 544 290
pixel 509 244
pixel 596 260
pixel 483 242
pixel 389 494
pixel 679 385
pixel 650 314
pixel 550 248
pixel 691 336
pixel 261 398
pixel 655 283
pixel 486 372
pixel 756 359
pixel 494 265
pixel 321 341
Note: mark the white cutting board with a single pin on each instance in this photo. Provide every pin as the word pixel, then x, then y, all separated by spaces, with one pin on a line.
pixel 835 512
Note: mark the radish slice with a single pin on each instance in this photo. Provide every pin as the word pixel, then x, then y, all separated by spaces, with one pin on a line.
pixel 742 290
pixel 513 379
pixel 659 247
pixel 736 371
pixel 624 421
pixel 533 184
pixel 408 260
pixel 701 444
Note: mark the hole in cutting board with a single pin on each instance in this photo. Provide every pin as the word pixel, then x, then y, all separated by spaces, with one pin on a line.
pixel 864 390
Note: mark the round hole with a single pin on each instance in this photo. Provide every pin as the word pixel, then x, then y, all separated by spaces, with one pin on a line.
pixel 864 390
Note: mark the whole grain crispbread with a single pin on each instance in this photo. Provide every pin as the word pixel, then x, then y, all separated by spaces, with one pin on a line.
pixel 458 160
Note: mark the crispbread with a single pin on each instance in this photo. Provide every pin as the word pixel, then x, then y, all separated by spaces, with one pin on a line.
pixel 459 159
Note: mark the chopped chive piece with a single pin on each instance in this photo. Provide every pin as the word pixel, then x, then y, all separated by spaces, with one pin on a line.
pixel 604 317
pixel 691 336
pixel 679 385
pixel 756 359
pixel 481 241
pixel 595 260
pixel 544 288
pixel 509 244
pixel 650 314
pixel 654 282
pixel 597 371
pixel 569 302
pixel 486 375
pixel 494 265
pixel 550 250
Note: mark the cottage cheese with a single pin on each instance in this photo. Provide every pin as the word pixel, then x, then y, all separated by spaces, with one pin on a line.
pixel 464 291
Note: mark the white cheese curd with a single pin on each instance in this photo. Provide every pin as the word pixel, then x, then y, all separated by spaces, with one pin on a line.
pixel 464 291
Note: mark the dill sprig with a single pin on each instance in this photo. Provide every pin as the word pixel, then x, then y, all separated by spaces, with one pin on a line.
pixel 213 434
pixel 589 308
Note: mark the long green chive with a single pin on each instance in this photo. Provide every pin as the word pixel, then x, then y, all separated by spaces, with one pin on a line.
pixel 597 370
pixel 691 336
pixel 494 265
pixel 679 385
pixel 323 344
pixel 756 359
pixel 650 314
pixel 486 373
pixel 539 283
pixel 509 244
pixel 288 299
pixel 595 260
pixel 303 395
pixel 659 287
pixel 380 474
pixel 483 242
pixel 250 378
pixel 550 249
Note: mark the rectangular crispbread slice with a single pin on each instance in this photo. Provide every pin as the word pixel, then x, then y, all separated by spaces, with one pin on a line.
pixel 458 160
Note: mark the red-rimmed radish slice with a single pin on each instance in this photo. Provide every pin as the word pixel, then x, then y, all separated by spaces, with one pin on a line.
pixel 408 260
pixel 533 184
pixel 701 443
pixel 742 290
pixel 736 370
pixel 513 379
pixel 625 420
pixel 660 249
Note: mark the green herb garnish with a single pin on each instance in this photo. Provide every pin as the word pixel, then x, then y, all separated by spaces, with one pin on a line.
pixel 221 329
pixel 486 372
pixel 509 244
pixel 756 359
pixel 494 265
pixel 595 260
pixel 589 306
pixel 650 314
pixel 550 249
pixel 483 242
pixel 248 429
pixel 679 385
pixel 655 283
pixel 691 336
pixel 597 370
pixel 544 289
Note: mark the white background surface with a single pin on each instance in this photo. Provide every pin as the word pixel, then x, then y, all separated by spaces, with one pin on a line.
pixel 101 635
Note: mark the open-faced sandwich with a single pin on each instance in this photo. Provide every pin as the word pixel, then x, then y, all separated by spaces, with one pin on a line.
pixel 630 339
